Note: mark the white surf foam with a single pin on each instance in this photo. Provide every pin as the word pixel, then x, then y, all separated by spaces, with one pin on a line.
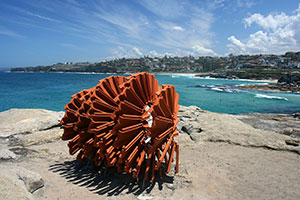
pixel 263 96
pixel 217 89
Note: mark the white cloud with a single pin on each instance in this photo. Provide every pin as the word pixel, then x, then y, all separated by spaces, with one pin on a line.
pixel 279 33
pixel 196 29
pixel 21 10
pixel 42 17
pixel 131 22
pixel 126 52
pixel 166 8
pixel 236 43
pixel 213 4
pixel 204 51
pixel 269 22
pixel 232 5
pixel 173 26
pixel 177 28
pixel 137 51
pixel 244 3
pixel 4 31
pixel 134 52
pixel 154 53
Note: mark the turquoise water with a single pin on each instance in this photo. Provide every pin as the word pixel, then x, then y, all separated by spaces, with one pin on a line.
pixel 53 90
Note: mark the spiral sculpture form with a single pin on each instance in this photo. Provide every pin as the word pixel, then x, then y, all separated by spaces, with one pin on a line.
pixel 126 123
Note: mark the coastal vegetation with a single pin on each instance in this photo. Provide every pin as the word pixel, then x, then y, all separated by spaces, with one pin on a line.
pixel 286 83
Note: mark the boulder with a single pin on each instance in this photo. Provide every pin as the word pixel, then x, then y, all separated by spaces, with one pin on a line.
pixel 18 121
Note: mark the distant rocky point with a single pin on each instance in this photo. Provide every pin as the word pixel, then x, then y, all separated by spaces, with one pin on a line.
pixel 287 83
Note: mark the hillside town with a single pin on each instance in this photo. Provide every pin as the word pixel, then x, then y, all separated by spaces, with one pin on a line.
pixel 289 60
pixel 187 64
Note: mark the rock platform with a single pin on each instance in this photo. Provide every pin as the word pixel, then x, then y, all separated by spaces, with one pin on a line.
pixel 222 156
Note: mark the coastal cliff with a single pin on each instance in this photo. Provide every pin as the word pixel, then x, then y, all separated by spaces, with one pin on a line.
pixel 221 157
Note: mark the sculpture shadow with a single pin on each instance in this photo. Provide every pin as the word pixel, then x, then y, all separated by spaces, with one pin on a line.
pixel 105 181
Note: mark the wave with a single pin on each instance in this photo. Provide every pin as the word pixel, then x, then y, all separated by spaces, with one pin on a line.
pixel 258 81
pixel 263 96
pixel 208 77
pixel 181 75
pixel 225 89
pixel 192 76
pixel 262 84
pixel 218 88
pixel 243 84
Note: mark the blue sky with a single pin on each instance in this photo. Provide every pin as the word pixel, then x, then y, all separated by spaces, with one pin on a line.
pixel 41 32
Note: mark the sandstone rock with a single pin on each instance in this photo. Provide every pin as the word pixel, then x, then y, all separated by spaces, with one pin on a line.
pixel 12 189
pixel 187 127
pixel 179 125
pixel 144 197
pixel 189 122
pixel 184 139
pixel 6 154
pixel 18 183
pixel 41 137
pixel 189 113
pixel 32 180
pixel 297 115
pixel 183 108
pixel 287 124
pixel 17 121
pixel 196 108
pixel 216 127
pixel 210 167
pixel 196 136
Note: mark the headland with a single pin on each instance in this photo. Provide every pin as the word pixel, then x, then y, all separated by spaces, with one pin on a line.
pixel 221 157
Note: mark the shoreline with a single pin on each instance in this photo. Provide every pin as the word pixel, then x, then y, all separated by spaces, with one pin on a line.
pixel 195 75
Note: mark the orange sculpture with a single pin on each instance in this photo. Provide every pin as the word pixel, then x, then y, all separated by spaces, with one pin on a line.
pixel 127 123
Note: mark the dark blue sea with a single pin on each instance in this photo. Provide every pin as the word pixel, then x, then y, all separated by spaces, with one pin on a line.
pixel 53 90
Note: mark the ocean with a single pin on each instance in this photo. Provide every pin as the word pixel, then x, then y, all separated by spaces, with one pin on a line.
pixel 53 91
